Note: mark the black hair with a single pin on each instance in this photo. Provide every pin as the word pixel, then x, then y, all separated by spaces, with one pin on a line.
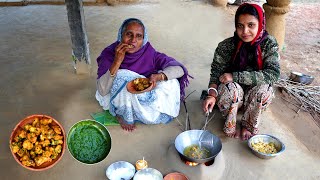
pixel 129 21
pixel 246 9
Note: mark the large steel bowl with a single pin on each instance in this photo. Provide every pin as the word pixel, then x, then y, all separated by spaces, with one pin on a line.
pixel 265 138
pixel 192 137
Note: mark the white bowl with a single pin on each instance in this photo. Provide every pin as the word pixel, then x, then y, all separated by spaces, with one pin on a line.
pixel 120 170
pixel 148 174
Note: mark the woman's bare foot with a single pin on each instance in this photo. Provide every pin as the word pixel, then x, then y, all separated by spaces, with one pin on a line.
pixel 125 126
pixel 234 135
pixel 245 134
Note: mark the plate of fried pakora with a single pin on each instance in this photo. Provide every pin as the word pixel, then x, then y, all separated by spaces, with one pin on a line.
pixel 139 85
pixel 37 142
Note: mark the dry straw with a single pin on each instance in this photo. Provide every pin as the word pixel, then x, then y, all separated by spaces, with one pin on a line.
pixel 304 97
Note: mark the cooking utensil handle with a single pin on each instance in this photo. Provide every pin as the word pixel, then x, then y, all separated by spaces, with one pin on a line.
pixel 189 123
pixel 188 119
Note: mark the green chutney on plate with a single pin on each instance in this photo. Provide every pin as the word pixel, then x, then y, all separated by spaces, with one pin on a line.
pixel 89 141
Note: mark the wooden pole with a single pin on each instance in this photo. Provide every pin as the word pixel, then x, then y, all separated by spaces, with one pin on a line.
pixel 222 3
pixel 275 11
pixel 79 39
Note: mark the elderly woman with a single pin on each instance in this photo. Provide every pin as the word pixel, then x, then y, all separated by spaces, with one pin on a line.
pixel 131 57
pixel 243 70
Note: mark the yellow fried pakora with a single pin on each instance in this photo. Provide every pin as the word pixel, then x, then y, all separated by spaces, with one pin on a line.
pixel 38 149
pixel 28 145
pixel 51 149
pixel 27 127
pixel 32 137
pixel 141 84
pixel 38 142
pixel 15 146
pixel 50 134
pixel 57 129
pixel 20 135
pixel 44 129
pixel 25 160
pixel 45 143
pixel 39 160
pixel 35 130
pixel 21 152
pixel 45 121
pixel 32 154
pixel 47 154
pixel 58 149
pixel 54 143
pixel 28 163
pixel 36 122
pixel 57 137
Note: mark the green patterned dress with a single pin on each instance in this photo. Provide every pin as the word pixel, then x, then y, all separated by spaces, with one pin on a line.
pixel 250 88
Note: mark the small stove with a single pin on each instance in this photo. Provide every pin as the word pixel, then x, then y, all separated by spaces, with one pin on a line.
pixel 193 164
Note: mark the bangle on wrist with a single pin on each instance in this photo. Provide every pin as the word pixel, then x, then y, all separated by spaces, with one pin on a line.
pixel 214 89
pixel 210 96
pixel 163 77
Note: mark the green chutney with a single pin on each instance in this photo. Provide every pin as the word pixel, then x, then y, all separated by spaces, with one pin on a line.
pixel 88 144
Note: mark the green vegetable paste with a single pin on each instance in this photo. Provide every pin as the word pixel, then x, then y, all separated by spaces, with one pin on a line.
pixel 88 144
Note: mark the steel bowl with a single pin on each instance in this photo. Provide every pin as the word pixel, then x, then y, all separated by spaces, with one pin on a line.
pixel 148 174
pixel 120 170
pixel 266 139
pixel 80 128
pixel 191 137
pixel 301 78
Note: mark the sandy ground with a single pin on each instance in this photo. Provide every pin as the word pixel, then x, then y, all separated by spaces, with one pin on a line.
pixel 302 49
pixel 37 78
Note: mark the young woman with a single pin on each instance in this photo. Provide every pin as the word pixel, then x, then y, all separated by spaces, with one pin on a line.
pixel 243 70
pixel 131 57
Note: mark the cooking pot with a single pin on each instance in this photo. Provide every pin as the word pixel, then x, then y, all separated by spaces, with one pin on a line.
pixel 192 137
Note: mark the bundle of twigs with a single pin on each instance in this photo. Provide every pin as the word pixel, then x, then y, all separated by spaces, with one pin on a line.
pixel 304 97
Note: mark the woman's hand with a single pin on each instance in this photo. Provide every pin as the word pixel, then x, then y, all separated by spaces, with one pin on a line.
pixel 208 104
pixel 226 78
pixel 154 78
pixel 121 50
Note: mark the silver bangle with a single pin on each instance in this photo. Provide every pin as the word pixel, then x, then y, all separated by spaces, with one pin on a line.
pixel 214 89
pixel 112 75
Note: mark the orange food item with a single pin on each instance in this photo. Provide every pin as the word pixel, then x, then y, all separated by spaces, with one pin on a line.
pixel 141 84
pixel 38 142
